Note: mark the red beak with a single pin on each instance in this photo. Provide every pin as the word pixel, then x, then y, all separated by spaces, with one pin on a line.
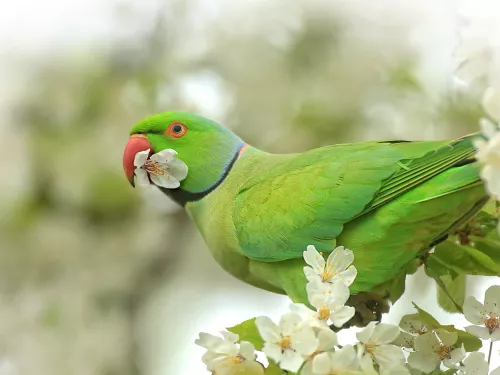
pixel 136 143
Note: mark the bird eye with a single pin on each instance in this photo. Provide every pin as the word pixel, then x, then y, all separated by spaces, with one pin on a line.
pixel 176 129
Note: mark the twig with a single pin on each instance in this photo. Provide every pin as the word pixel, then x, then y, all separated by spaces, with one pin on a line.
pixel 491 349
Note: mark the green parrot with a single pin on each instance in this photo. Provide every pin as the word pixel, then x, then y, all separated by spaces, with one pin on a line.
pixel 388 201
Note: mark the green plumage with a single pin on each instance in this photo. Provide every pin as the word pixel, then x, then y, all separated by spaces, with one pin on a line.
pixel 388 202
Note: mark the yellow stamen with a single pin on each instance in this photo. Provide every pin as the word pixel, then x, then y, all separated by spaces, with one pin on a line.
pixel 285 343
pixel 325 276
pixel 444 352
pixel 492 323
pixel 157 168
pixel 323 313
pixel 237 359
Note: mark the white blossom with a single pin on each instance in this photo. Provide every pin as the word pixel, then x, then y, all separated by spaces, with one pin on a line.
pixel 398 368
pixel 224 357
pixel 474 364
pixel 485 317
pixel 432 348
pixel 163 168
pixel 488 153
pixel 329 300
pixel 327 340
pixel 411 327
pixel 342 361
pixel 491 102
pixel 478 52
pixel 337 266
pixel 375 345
pixel 289 342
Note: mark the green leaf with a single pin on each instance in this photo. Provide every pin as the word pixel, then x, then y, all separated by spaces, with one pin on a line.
pixel 456 289
pixel 248 332
pixel 273 369
pixel 426 318
pixel 490 248
pixel 462 259
pixel 485 222
pixel 471 342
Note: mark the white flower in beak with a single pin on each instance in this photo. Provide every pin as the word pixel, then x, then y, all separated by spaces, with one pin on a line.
pixel 163 168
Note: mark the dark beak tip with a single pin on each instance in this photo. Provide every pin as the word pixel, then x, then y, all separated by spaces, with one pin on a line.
pixel 132 181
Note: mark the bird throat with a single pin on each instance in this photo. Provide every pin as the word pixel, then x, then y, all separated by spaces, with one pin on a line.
pixel 181 196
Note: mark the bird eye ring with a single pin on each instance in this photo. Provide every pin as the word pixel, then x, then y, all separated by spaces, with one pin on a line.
pixel 177 129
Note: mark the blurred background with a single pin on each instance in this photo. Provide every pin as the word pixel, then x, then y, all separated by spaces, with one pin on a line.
pixel 98 278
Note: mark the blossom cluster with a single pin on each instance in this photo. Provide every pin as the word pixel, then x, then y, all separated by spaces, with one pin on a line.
pixel 303 342
pixel 478 60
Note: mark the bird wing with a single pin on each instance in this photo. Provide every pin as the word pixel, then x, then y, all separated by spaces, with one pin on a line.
pixel 302 199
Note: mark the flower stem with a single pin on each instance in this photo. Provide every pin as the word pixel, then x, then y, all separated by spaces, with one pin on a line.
pixel 489 354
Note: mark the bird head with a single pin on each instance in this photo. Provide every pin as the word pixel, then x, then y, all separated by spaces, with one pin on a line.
pixel 206 147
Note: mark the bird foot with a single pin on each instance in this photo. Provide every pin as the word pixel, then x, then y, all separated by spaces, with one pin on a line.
pixel 369 308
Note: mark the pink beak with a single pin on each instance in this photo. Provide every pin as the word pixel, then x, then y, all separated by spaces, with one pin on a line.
pixel 136 143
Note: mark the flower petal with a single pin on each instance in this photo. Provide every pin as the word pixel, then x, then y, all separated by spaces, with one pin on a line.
pixel 321 364
pixel 307 369
pixel 207 341
pixel 478 331
pixel 288 323
pixel 474 310
pixel 366 364
pixel 142 177
pixel 178 169
pixel 421 361
pixel 447 338
pixel 426 342
pixel 348 276
pixel 268 330
pixel 273 351
pixel 495 336
pixel 230 336
pixel 311 275
pixel 328 295
pixel 488 128
pixel 314 259
pixel 338 260
pixel 304 341
pixel 327 339
pixel 342 315
pixel 247 350
pixel 140 158
pixel 248 368
pixel 164 156
pixel 491 102
pixel 165 181
pixel 339 294
pixel 458 355
pixel 405 340
pixel 475 364
pixel 394 370
pixel 343 359
pixel 492 300
pixel 389 355
pixel 385 333
pixel 365 335
pixel 413 326
pixel 291 361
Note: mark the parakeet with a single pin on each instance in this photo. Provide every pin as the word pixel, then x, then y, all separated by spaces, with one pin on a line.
pixel 387 201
